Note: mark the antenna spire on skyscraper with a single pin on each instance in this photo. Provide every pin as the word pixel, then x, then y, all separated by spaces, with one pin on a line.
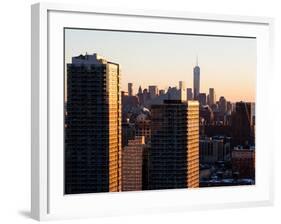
pixel 196 60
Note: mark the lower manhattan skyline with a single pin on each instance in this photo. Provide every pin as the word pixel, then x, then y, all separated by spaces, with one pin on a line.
pixel 227 64
pixel 151 111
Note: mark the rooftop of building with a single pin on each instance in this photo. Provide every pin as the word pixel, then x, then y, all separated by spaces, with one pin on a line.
pixel 89 59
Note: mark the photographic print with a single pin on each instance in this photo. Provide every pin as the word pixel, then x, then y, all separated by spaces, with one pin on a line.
pixel 153 111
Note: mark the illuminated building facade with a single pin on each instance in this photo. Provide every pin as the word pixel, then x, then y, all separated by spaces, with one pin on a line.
pixel 173 158
pixel 92 126
pixel 132 164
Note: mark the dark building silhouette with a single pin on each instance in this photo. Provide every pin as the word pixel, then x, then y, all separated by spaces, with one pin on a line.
pixel 229 107
pixel 242 124
pixel 189 94
pixel 243 162
pixel 202 99
pixel 128 132
pixel 162 92
pixel 153 91
pixel 196 81
pixel 214 149
pixel 140 96
pixel 142 126
pixel 212 97
pixel 129 102
pixel 173 158
pixel 207 114
pixel 130 89
pixel 92 126
pixel 222 105
pixel 146 97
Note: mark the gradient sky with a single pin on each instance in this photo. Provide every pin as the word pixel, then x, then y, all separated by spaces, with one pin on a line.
pixel 227 64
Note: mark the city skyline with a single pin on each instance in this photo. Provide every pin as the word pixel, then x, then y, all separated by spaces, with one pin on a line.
pixel 124 142
pixel 136 120
pixel 233 79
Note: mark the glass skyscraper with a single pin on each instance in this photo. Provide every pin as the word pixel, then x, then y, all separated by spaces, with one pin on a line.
pixel 196 81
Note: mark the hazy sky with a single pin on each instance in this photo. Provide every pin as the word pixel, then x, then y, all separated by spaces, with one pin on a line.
pixel 227 64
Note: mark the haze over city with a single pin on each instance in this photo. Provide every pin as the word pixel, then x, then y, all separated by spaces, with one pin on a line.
pixel 227 64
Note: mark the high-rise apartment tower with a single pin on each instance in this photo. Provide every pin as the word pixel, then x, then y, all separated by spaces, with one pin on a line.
pixel 173 158
pixel 92 126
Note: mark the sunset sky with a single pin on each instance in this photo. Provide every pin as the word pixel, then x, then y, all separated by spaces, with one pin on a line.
pixel 227 64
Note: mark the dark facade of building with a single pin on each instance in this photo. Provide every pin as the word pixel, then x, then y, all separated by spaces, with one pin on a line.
pixel 129 102
pixel 243 163
pixel 207 114
pixel 214 150
pixel 92 126
pixel 173 158
pixel 222 105
pixel 130 89
pixel 202 99
pixel 189 94
pixel 243 125
pixel 128 132
pixel 142 127
pixel 212 97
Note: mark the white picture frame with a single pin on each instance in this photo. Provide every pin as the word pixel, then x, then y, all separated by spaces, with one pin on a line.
pixel 47 199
